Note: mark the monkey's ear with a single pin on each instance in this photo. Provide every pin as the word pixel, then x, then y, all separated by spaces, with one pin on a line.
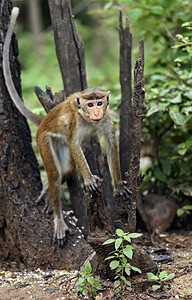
pixel 108 94
pixel 77 98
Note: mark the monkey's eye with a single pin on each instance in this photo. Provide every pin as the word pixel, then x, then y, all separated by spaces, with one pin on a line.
pixel 90 104
pixel 99 103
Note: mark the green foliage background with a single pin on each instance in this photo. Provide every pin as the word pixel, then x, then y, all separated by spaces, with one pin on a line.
pixel 166 28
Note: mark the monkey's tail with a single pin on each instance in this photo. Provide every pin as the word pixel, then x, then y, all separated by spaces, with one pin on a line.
pixel 36 119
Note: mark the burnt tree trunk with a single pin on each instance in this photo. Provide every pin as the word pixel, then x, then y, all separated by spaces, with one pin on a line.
pixel 125 39
pixel 26 233
pixel 131 117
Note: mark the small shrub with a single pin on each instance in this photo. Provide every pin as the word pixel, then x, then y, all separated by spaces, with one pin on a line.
pixel 160 280
pixel 87 285
pixel 119 259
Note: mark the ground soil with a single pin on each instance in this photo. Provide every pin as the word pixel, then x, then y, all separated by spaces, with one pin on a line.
pixel 59 284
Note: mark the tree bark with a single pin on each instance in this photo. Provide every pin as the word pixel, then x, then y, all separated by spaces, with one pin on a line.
pixel 26 233
pixel 131 117
pixel 125 39
pixel 69 46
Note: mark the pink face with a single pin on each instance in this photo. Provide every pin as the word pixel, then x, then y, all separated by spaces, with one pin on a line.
pixel 95 109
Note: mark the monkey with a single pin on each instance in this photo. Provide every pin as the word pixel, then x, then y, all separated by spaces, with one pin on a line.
pixel 60 135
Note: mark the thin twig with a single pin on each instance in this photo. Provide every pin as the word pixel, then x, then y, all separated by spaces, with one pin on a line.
pixel 169 33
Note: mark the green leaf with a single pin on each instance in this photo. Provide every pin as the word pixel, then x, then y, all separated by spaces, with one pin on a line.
pixel 109 241
pixel 178 118
pixel 163 274
pixel 114 264
pixel 186 110
pixel 177 99
pixel 135 13
pixel 128 252
pixel 128 271
pixel 155 287
pixel 187 207
pixel 152 110
pixel 189 142
pixel 136 269
pixel 151 277
pixel 108 5
pixel 118 243
pixel 169 277
pixel 157 10
pixel 128 283
pixel 159 174
pixel 189 95
pixel 162 106
pixel 181 58
pixel 186 24
pixel 182 151
pixel 109 257
pixel 123 278
pixel 91 280
pixel 87 267
pixel 134 235
pixel 127 238
pixel 80 281
pixel 166 166
pixel 180 212
pixel 119 232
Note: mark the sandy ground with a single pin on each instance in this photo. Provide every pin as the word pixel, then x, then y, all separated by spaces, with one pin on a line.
pixel 59 284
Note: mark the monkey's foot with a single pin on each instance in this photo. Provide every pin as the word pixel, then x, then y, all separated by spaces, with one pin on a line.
pixel 122 190
pixel 44 198
pixel 94 186
pixel 60 231
pixel 46 201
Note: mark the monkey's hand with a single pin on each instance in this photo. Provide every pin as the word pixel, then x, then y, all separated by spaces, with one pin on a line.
pixel 93 186
pixel 60 230
pixel 122 190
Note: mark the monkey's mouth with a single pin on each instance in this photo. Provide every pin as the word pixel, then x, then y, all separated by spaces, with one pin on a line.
pixel 95 120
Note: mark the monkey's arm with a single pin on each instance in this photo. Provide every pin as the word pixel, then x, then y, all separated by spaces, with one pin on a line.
pixel 91 181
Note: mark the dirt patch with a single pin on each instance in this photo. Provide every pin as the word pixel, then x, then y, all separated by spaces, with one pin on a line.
pixel 59 284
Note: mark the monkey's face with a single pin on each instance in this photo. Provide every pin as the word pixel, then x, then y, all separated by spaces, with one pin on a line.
pixel 94 110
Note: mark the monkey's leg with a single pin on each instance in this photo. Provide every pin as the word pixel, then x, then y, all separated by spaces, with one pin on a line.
pixel 49 152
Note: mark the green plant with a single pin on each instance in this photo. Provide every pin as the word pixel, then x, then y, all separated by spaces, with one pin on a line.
pixel 160 280
pixel 168 99
pixel 186 209
pixel 186 294
pixel 119 258
pixel 87 285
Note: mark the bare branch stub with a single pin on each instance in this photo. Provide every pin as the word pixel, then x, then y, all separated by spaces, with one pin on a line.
pixel 44 99
pixel 125 208
pixel 137 119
